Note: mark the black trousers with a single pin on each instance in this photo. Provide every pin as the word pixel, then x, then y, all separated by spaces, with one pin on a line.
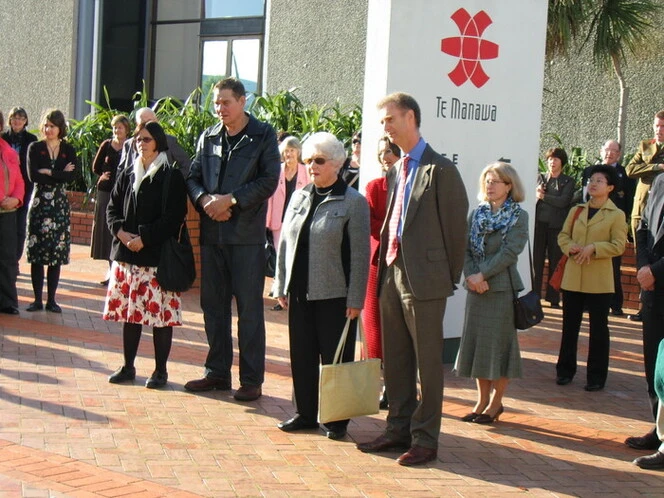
pixel 8 296
pixel 545 246
pixel 617 299
pixel 598 350
pixel 314 331
pixel 229 271
pixel 652 310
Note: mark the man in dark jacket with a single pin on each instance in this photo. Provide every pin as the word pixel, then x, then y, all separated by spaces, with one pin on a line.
pixel 623 197
pixel 650 275
pixel 235 171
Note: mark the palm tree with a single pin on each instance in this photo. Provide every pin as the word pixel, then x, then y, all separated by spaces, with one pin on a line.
pixel 612 26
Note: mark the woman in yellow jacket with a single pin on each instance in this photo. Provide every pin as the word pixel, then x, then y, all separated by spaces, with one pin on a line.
pixel 598 234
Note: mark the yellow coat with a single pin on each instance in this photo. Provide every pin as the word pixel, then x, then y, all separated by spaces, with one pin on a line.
pixel 607 230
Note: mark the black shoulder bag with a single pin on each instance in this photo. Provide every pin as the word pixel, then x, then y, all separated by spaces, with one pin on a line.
pixel 176 270
pixel 527 308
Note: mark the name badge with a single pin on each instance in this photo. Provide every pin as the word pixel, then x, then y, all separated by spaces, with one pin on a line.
pixel 217 150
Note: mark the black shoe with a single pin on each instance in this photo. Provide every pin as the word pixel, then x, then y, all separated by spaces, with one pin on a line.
pixel 593 387
pixel 654 461
pixel 9 310
pixel 53 307
pixel 297 423
pixel 554 306
pixel 122 374
pixel 335 432
pixel 563 381
pixel 636 317
pixel 383 404
pixel 104 283
pixel 277 307
pixel 157 380
pixel 648 442
pixel 35 306
pixel 617 312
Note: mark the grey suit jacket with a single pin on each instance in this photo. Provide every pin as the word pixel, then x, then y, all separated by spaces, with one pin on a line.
pixel 433 240
pixel 501 257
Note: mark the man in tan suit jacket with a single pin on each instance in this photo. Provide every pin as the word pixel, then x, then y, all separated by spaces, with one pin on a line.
pixel 421 260
pixel 647 163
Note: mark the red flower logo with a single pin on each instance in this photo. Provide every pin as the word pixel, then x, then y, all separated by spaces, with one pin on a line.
pixel 167 315
pixel 154 307
pixel 137 317
pixel 175 304
pixel 470 48
pixel 124 290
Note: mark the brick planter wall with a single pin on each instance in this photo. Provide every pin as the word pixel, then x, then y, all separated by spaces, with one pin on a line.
pixel 82 216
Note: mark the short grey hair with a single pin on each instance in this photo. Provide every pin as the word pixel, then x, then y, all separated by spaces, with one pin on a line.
pixel 326 144
pixel 291 142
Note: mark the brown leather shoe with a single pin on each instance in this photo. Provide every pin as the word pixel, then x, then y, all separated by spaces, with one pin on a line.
pixel 649 441
pixel 382 443
pixel 248 393
pixel 208 384
pixel 654 461
pixel 417 455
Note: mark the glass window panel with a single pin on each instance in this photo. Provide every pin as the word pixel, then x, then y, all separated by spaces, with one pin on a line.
pixel 233 8
pixel 176 60
pixel 215 63
pixel 245 62
pixel 177 10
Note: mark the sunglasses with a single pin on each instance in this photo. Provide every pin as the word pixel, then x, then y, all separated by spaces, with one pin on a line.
pixel 318 160
pixel 356 141
pixel 147 140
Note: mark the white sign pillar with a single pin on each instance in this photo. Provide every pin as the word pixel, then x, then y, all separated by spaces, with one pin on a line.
pixel 476 68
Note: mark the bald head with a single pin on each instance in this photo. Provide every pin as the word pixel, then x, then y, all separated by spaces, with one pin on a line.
pixel 610 152
pixel 145 115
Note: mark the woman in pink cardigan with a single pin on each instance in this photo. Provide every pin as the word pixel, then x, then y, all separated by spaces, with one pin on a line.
pixel 11 198
pixel 293 177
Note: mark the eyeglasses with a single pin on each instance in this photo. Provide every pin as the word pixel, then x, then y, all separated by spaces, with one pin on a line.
pixel 318 160
pixel 597 180
pixel 147 140
pixel 492 182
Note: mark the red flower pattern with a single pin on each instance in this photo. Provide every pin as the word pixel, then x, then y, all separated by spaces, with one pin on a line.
pixel 135 296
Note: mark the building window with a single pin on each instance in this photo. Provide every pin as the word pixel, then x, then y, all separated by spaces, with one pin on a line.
pixel 195 43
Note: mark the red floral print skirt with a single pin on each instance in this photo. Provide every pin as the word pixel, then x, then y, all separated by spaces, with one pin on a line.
pixel 134 296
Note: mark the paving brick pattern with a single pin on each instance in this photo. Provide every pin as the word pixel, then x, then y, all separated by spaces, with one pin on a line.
pixel 66 432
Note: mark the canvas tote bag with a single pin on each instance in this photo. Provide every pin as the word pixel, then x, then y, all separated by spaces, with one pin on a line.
pixel 351 389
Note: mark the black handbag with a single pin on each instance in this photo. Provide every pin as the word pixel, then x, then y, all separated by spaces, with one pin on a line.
pixel 527 308
pixel 270 254
pixel 176 270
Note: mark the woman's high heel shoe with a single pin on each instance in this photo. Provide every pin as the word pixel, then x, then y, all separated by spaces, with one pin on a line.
pixel 470 417
pixel 485 418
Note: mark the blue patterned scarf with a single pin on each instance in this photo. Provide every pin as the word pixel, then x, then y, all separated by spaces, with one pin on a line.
pixel 484 222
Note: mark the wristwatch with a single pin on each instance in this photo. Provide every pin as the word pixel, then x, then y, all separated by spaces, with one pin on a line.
pixel 233 200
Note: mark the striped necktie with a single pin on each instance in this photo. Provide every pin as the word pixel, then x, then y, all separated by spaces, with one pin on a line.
pixel 393 242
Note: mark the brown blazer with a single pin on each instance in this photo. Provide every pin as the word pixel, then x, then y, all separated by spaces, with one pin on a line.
pixel 434 234
pixel 642 167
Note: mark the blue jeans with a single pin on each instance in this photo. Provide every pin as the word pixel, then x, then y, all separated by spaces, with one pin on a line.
pixel 234 271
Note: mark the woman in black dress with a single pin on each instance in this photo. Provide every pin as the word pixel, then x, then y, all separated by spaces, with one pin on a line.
pixel 51 165
pixel 105 165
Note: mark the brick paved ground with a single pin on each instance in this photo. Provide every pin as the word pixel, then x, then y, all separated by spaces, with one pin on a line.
pixel 66 432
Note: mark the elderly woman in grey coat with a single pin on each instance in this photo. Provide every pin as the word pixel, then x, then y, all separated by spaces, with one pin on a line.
pixel 322 268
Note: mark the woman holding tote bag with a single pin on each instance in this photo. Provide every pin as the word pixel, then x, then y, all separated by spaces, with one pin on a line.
pixel 322 268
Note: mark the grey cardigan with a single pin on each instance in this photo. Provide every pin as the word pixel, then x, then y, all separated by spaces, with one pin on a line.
pixel 344 211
